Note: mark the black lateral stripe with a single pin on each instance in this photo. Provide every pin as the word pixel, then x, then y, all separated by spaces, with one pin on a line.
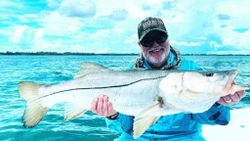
pixel 105 87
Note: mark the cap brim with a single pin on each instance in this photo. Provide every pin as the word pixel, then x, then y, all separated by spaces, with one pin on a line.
pixel 153 29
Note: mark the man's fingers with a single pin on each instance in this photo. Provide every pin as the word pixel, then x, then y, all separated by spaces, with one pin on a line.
pixel 232 98
pixel 100 105
pixel 227 99
pixel 105 106
pixel 110 109
pixel 235 97
pixel 241 94
pixel 94 105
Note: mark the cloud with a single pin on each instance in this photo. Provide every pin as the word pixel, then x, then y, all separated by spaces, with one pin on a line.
pixel 75 8
pixel 119 15
pixel 23 37
pixel 168 5
pixel 53 4
pixel 241 30
pixel 90 26
pixel 58 25
pixel 146 7
pixel 223 17
pixel 186 44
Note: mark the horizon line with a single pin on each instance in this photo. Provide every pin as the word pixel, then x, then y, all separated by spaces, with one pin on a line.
pixel 82 53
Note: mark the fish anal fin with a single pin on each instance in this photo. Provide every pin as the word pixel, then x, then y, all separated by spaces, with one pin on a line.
pixel 142 124
pixel 146 118
pixel 74 111
pixel 89 67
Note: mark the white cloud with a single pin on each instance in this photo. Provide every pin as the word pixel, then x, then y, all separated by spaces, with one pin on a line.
pixel 53 3
pixel 76 8
pixel 120 14
pixel 185 44
pixel 19 31
pixel 58 25
pixel 39 35
pixel 5 3
pixel 239 40
pixel 91 26
pixel 214 44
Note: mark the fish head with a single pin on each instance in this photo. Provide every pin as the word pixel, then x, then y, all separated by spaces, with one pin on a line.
pixel 215 83
pixel 196 83
pixel 196 92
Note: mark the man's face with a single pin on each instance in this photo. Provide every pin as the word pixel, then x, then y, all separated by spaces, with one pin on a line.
pixel 155 48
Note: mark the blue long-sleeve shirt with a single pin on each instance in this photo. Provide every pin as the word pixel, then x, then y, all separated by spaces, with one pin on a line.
pixel 176 127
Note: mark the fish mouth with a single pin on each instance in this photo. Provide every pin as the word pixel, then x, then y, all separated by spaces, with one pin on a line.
pixel 232 76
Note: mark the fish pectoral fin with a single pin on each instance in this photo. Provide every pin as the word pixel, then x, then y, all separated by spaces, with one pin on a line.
pixel 88 67
pixel 141 124
pixel 34 111
pixel 145 119
pixel 74 111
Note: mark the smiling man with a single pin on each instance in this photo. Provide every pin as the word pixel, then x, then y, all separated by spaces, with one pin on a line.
pixel 155 46
pixel 158 54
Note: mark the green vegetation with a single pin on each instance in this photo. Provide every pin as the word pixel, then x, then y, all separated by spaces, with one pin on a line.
pixel 56 53
pixel 78 53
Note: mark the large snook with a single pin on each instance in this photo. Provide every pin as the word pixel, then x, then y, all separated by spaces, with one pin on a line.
pixel 145 94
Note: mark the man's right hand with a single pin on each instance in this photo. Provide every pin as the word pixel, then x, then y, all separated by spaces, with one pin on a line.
pixel 101 106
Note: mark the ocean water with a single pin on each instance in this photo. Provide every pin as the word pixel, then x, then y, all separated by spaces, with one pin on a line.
pixel 55 69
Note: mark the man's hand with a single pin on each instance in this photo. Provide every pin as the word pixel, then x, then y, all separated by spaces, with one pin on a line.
pixel 232 98
pixel 101 106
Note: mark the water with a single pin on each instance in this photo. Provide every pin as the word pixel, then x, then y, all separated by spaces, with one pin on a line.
pixel 54 69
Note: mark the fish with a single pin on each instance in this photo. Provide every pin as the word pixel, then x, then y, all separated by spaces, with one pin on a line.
pixel 144 94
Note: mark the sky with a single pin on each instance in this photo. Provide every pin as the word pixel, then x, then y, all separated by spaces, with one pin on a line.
pixel 110 26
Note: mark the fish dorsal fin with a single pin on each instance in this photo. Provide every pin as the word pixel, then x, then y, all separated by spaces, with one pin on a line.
pixel 145 119
pixel 89 67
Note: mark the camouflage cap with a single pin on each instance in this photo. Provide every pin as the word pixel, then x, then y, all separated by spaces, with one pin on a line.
pixel 150 24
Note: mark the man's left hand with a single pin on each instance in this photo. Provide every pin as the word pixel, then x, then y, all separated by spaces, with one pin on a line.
pixel 232 98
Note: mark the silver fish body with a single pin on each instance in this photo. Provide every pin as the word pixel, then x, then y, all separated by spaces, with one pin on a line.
pixel 129 92
pixel 145 94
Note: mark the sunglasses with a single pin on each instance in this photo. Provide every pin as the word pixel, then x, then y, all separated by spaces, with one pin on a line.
pixel 149 42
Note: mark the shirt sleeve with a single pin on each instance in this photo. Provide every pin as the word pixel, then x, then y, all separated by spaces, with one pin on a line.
pixel 122 123
pixel 217 114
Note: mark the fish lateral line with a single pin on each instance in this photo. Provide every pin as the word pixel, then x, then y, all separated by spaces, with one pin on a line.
pixel 103 87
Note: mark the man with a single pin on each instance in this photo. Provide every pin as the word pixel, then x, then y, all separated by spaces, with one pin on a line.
pixel 158 54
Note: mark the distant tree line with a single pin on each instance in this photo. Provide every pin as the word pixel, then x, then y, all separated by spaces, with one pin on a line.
pixel 57 53
pixel 78 53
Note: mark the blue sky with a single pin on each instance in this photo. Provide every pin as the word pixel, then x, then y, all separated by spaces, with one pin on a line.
pixel 110 26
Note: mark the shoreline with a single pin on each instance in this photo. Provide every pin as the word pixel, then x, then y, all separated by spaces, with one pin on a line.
pixel 107 54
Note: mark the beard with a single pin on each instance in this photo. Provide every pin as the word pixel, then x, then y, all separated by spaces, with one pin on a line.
pixel 156 59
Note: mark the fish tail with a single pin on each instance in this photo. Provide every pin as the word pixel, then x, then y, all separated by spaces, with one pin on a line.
pixel 34 111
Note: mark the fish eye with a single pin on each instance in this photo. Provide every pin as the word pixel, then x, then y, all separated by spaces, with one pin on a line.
pixel 210 74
